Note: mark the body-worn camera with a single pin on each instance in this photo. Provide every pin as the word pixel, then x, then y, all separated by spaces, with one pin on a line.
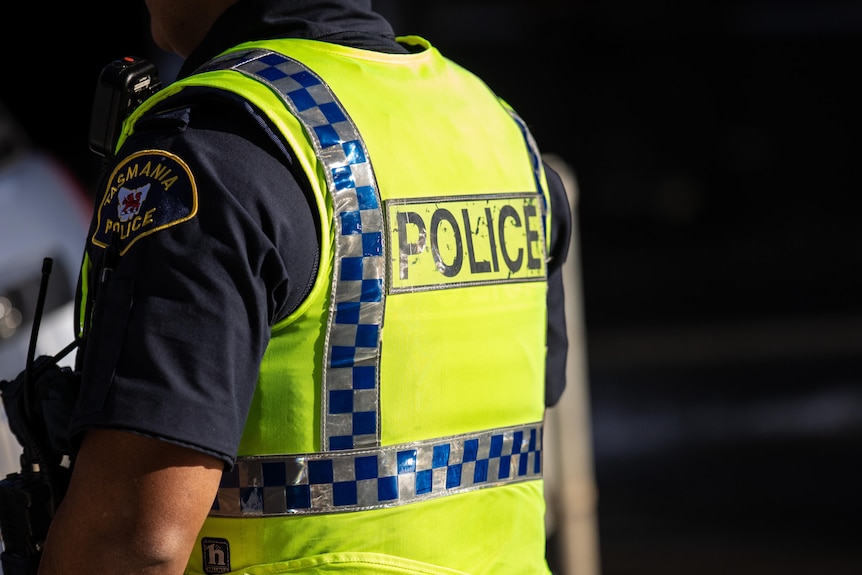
pixel 123 85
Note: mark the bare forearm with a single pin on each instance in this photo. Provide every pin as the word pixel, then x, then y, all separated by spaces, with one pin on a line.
pixel 134 505
pixel 108 547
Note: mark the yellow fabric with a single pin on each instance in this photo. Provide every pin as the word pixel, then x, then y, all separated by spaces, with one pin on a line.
pixel 487 532
pixel 453 360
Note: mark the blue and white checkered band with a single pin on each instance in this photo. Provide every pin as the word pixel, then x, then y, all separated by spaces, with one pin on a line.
pixel 535 161
pixel 350 405
pixel 361 479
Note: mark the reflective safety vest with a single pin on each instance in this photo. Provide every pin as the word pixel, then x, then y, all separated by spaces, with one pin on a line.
pixel 396 425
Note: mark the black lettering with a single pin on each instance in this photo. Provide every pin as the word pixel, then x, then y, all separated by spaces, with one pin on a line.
pixel 508 212
pixel 405 248
pixel 532 238
pixel 475 267
pixel 447 270
pixel 492 240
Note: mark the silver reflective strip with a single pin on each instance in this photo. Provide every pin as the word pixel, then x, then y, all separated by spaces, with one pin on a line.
pixel 350 403
pixel 536 163
pixel 361 479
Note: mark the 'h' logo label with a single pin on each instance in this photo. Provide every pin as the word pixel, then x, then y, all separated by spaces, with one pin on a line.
pixel 216 555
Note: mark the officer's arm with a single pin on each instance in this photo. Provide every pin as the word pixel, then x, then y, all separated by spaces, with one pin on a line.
pixel 135 505
pixel 558 340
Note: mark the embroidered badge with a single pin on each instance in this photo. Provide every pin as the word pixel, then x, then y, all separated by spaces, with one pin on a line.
pixel 148 191
pixel 216 555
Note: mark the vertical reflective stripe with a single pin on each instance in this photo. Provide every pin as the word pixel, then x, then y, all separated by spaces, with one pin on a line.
pixel 350 403
pixel 536 163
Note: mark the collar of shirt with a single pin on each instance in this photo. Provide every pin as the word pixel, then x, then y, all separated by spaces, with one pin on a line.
pixel 349 22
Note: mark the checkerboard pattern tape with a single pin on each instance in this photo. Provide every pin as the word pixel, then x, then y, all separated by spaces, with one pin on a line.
pixel 350 408
pixel 361 479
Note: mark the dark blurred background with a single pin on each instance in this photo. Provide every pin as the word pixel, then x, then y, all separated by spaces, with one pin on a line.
pixel 716 151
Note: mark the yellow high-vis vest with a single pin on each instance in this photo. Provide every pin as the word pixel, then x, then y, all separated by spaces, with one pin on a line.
pixel 396 425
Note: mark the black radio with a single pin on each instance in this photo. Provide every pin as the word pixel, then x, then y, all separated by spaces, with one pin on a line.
pixel 38 404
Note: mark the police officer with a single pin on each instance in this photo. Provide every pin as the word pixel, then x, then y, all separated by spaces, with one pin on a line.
pixel 320 311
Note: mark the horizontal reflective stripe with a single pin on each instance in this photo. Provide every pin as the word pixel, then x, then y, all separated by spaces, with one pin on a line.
pixel 361 479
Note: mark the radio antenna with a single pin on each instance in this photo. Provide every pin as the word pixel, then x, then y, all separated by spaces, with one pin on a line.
pixel 47 265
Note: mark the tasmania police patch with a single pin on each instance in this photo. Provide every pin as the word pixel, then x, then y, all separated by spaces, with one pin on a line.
pixel 148 191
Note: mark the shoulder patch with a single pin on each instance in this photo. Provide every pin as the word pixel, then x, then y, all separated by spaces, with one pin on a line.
pixel 148 191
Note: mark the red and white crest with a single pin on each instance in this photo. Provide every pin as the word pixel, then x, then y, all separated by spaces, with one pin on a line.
pixel 130 201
